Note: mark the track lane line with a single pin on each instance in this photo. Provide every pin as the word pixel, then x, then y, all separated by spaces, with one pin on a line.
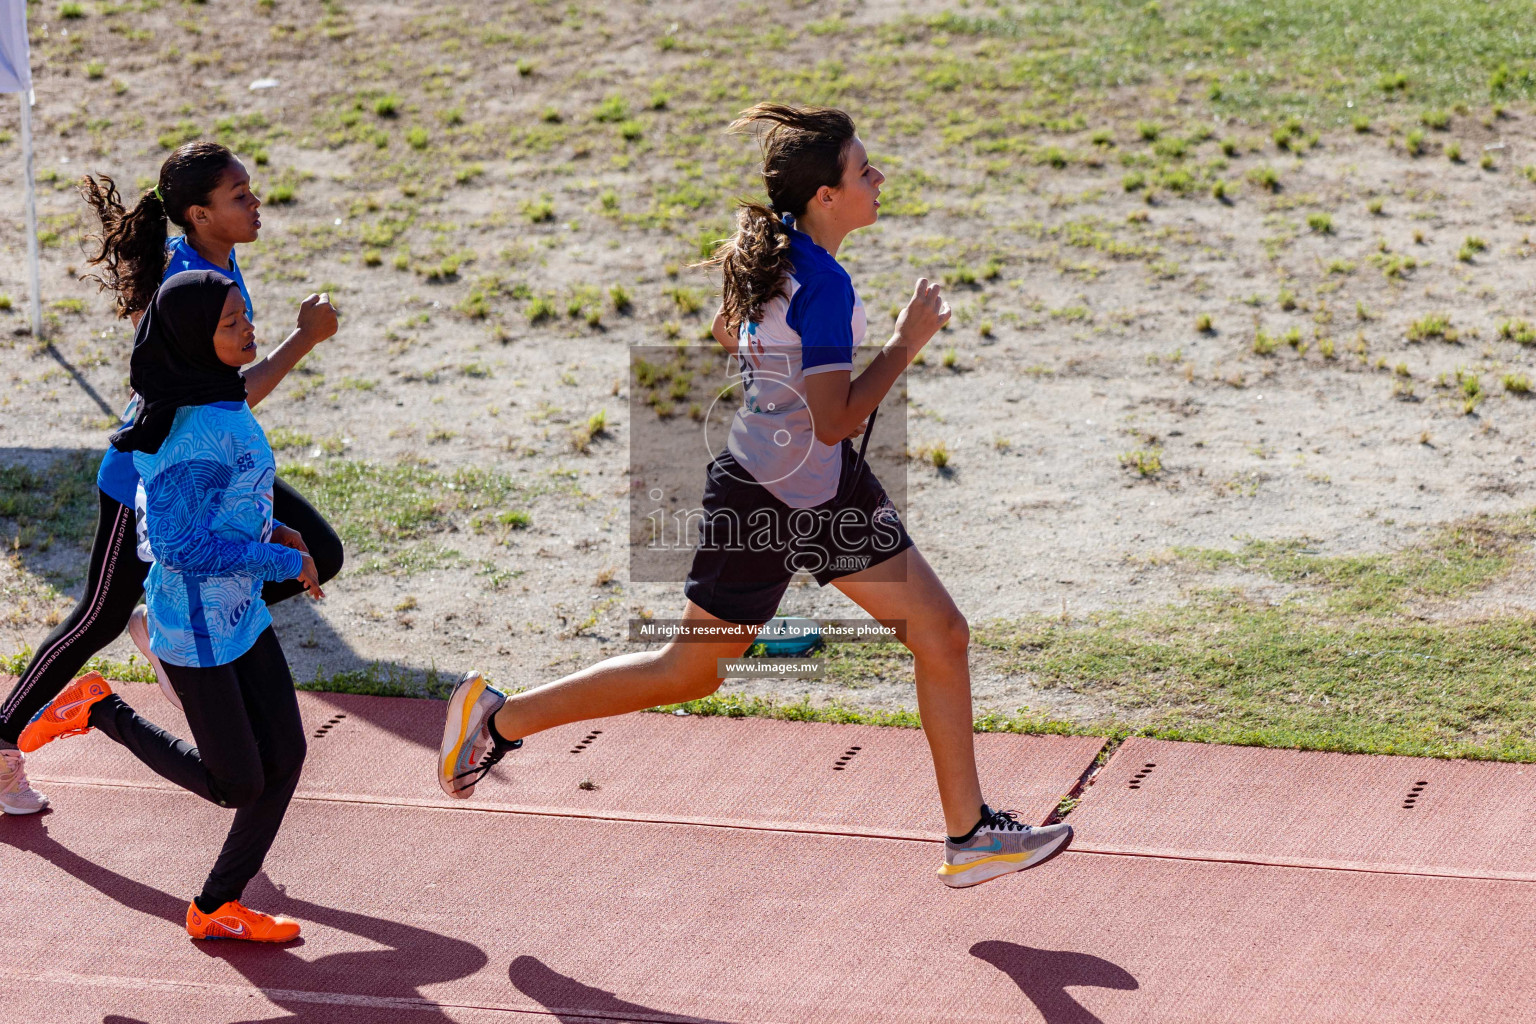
pixel 278 996
pixel 1079 847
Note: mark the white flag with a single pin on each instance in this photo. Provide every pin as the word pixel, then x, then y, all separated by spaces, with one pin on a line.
pixel 15 61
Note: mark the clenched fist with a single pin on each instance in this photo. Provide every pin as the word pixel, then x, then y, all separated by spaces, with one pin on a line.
pixel 317 318
pixel 925 313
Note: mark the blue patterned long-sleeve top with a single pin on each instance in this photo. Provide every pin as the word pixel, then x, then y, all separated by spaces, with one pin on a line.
pixel 208 512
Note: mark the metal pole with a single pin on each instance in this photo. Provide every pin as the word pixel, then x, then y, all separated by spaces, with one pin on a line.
pixel 26 149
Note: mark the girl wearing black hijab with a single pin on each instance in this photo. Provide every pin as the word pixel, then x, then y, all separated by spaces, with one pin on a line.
pixel 207 472
pixel 206 192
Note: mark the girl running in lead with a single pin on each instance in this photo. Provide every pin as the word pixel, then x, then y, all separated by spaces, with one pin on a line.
pixel 207 471
pixel 792 318
pixel 204 190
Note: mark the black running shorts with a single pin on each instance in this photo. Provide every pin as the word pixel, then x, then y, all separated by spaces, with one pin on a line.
pixel 751 544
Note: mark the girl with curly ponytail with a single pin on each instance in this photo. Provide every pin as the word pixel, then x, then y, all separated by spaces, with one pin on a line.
pixel 132 251
pixel 205 191
pixel 790 494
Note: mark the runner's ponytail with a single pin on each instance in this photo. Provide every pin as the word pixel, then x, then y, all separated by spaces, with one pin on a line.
pixel 804 149
pixel 754 262
pixel 132 241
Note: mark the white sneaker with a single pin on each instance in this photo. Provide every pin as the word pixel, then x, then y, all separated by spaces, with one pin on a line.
pixel 16 794
pixel 1001 844
pixel 469 750
pixel 138 629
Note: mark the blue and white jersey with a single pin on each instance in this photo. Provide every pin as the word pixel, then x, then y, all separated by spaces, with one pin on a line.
pixel 811 326
pixel 117 478
pixel 208 513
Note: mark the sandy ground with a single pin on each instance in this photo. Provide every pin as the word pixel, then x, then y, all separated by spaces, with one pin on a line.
pixel 1089 356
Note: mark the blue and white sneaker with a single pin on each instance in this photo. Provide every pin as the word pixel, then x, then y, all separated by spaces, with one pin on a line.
pixel 469 750
pixel 1000 845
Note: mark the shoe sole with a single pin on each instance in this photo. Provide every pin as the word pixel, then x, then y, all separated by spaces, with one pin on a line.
pixel 240 938
pixel 997 869
pixel 166 688
pixel 30 744
pixel 28 741
pixel 456 732
pixel 206 928
pixel 18 811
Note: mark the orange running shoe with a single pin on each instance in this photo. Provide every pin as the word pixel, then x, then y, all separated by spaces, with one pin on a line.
pixel 68 715
pixel 234 920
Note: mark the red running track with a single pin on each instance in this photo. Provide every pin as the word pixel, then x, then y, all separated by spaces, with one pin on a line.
pixel 418 909
pixel 1354 811
pixel 747 772
pixel 454 915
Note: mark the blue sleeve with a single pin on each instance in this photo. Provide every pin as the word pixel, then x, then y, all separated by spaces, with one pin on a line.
pixel 181 256
pixel 234 272
pixel 180 501
pixel 176 258
pixel 821 312
pixel 117 478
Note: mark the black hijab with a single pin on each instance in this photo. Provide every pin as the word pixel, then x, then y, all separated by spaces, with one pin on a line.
pixel 173 362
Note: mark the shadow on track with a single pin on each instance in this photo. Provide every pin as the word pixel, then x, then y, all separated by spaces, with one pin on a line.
pixel 355 987
pixel 1044 975
pixel 574 1003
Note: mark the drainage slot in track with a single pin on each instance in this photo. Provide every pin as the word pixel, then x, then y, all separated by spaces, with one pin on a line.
pixel 328 726
pixel 848 755
pixel 1412 799
pixel 586 741
pixel 1146 770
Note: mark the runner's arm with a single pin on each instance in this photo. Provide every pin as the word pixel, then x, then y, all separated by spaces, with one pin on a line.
pixel 722 333
pixel 840 403
pixel 178 504
pixel 317 321
pixel 263 376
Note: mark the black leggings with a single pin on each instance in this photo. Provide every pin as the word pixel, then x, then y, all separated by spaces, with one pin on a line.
pixel 113 585
pixel 250 748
